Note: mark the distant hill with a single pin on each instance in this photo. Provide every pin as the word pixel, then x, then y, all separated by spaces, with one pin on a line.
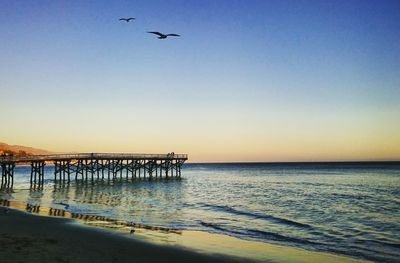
pixel 21 150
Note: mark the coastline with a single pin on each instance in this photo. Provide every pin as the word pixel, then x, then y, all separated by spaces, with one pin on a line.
pixel 28 237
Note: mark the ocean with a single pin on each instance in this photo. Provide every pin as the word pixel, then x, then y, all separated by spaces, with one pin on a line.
pixel 343 208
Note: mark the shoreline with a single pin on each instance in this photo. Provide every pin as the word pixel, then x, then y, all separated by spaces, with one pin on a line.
pixel 30 238
pixel 48 235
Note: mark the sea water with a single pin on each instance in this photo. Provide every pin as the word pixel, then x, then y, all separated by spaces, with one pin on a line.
pixel 343 208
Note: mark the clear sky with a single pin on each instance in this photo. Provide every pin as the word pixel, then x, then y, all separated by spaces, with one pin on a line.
pixel 246 81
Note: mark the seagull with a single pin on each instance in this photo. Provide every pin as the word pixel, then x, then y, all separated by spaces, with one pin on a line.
pixel 127 19
pixel 163 36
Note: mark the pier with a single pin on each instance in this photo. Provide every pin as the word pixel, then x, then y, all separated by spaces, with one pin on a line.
pixel 91 166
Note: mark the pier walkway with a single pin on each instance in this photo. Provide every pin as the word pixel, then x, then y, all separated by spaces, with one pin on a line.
pixel 88 166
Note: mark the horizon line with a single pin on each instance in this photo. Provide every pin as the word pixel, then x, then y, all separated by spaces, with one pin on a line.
pixel 302 162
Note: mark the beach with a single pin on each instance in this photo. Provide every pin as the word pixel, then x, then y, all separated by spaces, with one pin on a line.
pixel 30 238
pixel 27 237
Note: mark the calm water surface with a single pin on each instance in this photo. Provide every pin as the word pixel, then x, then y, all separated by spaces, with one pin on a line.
pixel 350 209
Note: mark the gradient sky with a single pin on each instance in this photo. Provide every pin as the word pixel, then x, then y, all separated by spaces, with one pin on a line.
pixel 247 81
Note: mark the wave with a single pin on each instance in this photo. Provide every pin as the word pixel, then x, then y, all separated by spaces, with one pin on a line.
pixel 374 252
pixel 281 220
pixel 253 233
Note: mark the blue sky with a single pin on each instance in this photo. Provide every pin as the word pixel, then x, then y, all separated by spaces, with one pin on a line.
pixel 248 80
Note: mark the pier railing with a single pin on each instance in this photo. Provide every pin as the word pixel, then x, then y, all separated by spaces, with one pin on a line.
pixel 90 156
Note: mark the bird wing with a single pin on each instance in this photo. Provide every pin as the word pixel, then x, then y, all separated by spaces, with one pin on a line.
pixel 156 33
pixel 123 19
pixel 174 35
pixel 131 18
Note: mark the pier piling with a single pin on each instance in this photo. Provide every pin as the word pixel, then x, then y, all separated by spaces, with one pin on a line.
pixel 90 166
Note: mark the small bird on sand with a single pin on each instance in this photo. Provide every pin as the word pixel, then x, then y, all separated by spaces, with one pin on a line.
pixel 127 19
pixel 163 36
pixel 132 231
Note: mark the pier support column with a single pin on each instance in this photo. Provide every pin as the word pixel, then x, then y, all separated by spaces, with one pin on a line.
pixel 79 169
pixel 108 165
pixel 69 170
pixel 102 169
pixel 56 169
pixel 86 170
pixel 114 169
pixel 62 168
pixel 156 167
pixel 98 169
pixel 127 169
pixel 7 175
pixel 37 172
pixel 139 166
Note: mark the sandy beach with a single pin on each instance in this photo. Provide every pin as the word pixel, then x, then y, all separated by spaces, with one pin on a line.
pixel 27 237
pixel 30 238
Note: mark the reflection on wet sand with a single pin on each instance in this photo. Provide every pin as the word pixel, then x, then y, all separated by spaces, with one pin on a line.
pixel 94 220
pixel 138 200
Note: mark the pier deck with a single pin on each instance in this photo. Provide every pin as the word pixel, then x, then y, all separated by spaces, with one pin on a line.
pixel 89 166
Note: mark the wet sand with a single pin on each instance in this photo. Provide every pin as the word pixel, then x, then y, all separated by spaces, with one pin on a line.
pixel 26 237
pixel 30 238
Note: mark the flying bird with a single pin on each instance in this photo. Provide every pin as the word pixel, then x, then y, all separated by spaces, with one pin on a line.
pixel 163 36
pixel 127 19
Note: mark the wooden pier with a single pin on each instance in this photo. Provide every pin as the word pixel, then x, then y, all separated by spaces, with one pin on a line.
pixel 91 166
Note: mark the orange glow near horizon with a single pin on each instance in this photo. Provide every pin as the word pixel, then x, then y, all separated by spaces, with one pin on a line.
pixel 237 146
pixel 252 138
